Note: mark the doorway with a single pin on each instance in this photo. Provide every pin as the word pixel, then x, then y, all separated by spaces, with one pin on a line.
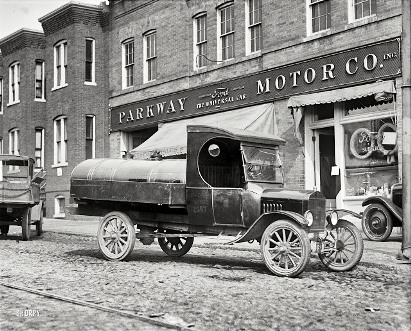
pixel 328 178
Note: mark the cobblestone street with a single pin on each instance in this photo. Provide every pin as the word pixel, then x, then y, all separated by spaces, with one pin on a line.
pixel 210 288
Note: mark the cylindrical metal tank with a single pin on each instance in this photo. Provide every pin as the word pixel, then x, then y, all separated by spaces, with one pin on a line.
pixel 163 171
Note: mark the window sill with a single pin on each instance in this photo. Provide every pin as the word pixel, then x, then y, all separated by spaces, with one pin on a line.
pixel 361 21
pixel 317 35
pixel 59 165
pixel 59 216
pixel 13 103
pixel 90 83
pixel 59 87
pixel 40 100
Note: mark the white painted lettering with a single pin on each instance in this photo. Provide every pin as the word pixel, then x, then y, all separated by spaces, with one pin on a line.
pixel 121 116
pixel 310 72
pixel 130 117
pixel 280 82
pixel 139 112
pixel 348 66
pixel 171 108
pixel 182 102
pixel 160 108
pixel 328 71
pixel 370 62
pixel 263 88
pixel 294 75
pixel 150 111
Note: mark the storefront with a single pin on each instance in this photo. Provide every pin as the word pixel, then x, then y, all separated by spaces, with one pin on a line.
pixel 344 108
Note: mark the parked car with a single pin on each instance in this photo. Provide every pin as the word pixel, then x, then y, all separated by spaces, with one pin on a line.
pixel 231 182
pixel 20 202
pixel 382 214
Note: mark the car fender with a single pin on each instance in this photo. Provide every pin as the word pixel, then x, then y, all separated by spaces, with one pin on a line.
pixel 256 230
pixel 392 208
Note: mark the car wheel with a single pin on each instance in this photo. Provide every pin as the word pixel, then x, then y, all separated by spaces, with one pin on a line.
pixel 175 246
pixel 116 236
pixel 285 248
pixel 377 222
pixel 342 247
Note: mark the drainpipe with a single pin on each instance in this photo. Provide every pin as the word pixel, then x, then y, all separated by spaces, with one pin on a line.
pixel 406 129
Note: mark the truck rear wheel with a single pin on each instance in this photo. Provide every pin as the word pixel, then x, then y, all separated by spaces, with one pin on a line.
pixel 285 248
pixel 116 236
pixel 175 246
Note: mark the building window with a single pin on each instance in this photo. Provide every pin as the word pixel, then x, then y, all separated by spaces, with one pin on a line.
pixel 361 9
pixel 39 148
pixel 319 15
pixel 39 81
pixel 59 207
pixel 128 63
pixel 14 142
pixel 90 137
pixel 150 56
pixel 14 83
pixel 60 64
pixel 253 22
pixel 60 141
pixel 226 32
pixel 1 145
pixel 89 76
pixel 200 41
pixel 1 96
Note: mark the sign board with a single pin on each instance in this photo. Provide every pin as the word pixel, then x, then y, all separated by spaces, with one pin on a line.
pixel 350 67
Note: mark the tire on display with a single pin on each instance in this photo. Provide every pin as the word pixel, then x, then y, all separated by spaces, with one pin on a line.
pixel 377 222
pixel 175 246
pixel 26 224
pixel 285 248
pixel 343 247
pixel 39 225
pixel 116 236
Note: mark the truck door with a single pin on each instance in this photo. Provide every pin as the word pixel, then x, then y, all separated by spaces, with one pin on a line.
pixel 227 206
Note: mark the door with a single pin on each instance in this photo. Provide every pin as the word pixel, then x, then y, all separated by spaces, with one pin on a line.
pixel 227 206
pixel 328 179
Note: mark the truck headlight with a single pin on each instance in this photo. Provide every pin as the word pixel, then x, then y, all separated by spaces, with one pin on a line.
pixel 333 218
pixel 309 217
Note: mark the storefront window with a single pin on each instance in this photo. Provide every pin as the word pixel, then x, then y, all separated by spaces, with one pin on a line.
pixel 371 157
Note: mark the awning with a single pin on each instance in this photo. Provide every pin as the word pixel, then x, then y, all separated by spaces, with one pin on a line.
pixel 297 103
pixel 343 94
pixel 171 138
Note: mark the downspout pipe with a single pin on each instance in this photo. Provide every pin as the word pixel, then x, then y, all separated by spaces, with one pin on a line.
pixel 406 128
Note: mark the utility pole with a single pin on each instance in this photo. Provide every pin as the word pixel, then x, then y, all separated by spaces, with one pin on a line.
pixel 406 129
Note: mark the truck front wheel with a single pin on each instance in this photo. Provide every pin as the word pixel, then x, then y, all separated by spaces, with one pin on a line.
pixel 175 246
pixel 116 236
pixel 285 248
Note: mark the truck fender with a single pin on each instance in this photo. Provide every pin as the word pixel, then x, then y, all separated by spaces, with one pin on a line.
pixel 256 230
pixel 387 203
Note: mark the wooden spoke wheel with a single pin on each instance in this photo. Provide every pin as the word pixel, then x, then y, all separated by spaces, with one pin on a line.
pixel 26 224
pixel 175 246
pixel 285 248
pixel 343 247
pixel 377 222
pixel 116 236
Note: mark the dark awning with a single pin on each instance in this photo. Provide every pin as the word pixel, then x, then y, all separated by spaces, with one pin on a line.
pixel 343 94
pixel 171 138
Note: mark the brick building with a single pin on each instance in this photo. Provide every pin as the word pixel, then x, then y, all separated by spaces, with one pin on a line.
pixel 57 90
pixel 324 75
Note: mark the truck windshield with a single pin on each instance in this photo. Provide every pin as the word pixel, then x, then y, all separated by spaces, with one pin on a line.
pixel 262 164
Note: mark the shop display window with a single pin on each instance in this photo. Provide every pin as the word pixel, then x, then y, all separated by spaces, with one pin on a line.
pixel 371 157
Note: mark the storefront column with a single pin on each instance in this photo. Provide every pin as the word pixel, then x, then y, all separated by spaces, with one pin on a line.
pixel 406 128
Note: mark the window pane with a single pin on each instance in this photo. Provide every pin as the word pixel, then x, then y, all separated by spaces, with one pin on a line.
pixel 89 50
